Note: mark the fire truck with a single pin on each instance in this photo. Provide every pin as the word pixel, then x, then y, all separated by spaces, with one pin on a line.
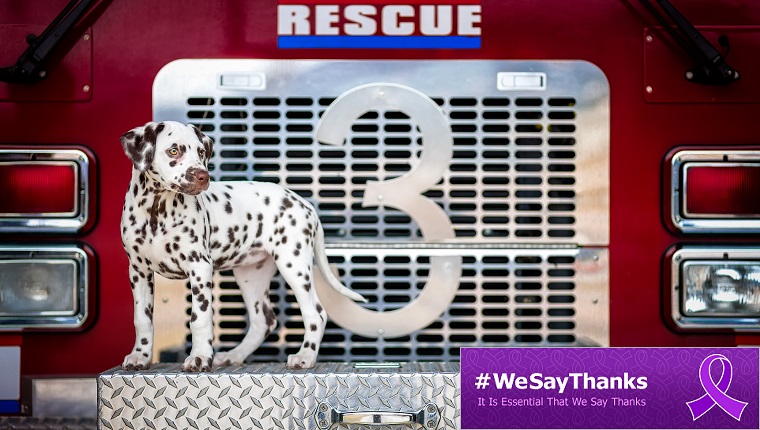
pixel 488 173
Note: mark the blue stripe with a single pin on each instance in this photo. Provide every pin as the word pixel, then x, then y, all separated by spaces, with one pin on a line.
pixel 380 42
pixel 9 406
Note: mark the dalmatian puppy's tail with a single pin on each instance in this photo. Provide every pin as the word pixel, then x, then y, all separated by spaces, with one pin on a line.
pixel 324 267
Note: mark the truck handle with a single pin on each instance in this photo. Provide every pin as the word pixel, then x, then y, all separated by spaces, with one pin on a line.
pixel 427 417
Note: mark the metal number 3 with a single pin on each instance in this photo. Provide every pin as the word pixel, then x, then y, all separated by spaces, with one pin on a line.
pixel 405 194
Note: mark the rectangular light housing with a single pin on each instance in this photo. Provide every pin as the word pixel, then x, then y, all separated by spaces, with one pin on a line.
pixel 716 288
pixel 43 287
pixel 715 191
pixel 45 190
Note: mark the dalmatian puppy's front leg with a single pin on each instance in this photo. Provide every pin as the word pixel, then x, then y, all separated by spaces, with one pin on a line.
pixel 201 325
pixel 141 279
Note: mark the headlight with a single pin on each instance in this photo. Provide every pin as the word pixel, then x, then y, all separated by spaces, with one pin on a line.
pixel 716 288
pixel 43 287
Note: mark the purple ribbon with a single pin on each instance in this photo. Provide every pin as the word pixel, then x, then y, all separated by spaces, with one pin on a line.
pixel 715 394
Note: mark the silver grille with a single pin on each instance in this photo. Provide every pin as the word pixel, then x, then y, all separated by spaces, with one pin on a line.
pixel 527 184
pixel 498 187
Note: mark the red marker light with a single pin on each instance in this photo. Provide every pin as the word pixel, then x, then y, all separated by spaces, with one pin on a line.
pixel 40 188
pixel 725 191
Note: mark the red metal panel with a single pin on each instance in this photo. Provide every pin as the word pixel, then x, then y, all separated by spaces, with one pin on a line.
pixel 136 38
pixel 68 78
pixel 665 64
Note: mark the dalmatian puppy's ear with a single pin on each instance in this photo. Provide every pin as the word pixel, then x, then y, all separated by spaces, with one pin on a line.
pixel 208 144
pixel 140 144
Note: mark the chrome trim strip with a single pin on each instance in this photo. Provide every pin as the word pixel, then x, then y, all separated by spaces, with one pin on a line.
pixel 43 253
pixel 57 222
pixel 691 223
pixel 705 254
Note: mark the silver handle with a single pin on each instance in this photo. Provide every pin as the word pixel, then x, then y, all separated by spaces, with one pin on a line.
pixel 327 417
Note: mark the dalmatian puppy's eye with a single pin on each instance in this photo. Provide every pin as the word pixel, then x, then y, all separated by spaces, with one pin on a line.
pixel 173 151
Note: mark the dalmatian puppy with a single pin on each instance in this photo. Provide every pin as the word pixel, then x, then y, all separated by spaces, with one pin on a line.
pixel 179 224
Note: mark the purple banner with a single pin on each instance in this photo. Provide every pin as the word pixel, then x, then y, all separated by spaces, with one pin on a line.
pixel 610 388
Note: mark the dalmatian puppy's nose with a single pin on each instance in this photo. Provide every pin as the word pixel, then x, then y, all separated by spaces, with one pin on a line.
pixel 201 177
pixel 197 179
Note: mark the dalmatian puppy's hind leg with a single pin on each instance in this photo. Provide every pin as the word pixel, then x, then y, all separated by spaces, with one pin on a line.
pixel 253 280
pixel 298 274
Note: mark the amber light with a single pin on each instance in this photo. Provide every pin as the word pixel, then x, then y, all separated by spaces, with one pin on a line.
pixel 39 188
pixel 730 190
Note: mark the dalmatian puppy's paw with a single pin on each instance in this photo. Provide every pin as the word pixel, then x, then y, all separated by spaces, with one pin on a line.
pixel 303 360
pixel 227 359
pixel 196 363
pixel 136 361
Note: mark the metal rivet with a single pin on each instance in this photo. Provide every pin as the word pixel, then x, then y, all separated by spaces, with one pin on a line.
pixel 323 423
pixel 649 89
pixel 86 37
pixel 650 38
pixel 165 300
pixel 595 301
pixel 595 258
pixel 430 424
pixel 380 197
pixel 323 407
pixel 86 88
pixel 431 409
pixel 380 331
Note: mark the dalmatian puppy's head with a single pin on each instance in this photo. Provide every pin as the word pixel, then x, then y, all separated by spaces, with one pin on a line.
pixel 173 154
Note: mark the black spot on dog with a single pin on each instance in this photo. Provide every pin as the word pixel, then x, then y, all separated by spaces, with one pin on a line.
pixel 144 341
pixel 269 316
pixel 228 207
pixel 313 327
pixel 193 317
pixel 204 305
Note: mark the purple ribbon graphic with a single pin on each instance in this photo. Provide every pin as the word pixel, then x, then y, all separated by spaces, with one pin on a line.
pixel 715 394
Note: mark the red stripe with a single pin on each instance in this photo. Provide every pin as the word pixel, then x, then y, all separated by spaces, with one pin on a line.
pixel 379 2
pixel 10 340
